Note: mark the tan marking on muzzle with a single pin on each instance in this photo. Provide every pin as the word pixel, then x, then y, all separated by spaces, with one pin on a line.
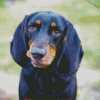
pixel 31 45
pixel 47 59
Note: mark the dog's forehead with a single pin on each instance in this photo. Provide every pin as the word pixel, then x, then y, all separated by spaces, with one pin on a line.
pixel 49 15
pixel 46 17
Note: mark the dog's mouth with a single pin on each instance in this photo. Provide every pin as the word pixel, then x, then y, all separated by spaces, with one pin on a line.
pixel 38 63
pixel 35 63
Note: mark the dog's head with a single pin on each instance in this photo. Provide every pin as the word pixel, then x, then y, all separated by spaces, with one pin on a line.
pixel 43 36
pixel 45 32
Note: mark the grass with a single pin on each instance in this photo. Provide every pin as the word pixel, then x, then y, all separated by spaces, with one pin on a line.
pixel 2 3
pixel 93 57
pixel 96 85
pixel 78 12
pixel 77 96
pixel 88 19
pixel 7 27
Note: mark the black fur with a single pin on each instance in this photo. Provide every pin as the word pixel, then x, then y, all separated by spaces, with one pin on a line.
pixel 58 81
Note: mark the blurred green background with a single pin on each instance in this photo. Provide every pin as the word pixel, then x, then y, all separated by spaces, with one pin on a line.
pixel 84 14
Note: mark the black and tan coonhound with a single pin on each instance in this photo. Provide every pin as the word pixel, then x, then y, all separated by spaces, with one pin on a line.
pixel 47 47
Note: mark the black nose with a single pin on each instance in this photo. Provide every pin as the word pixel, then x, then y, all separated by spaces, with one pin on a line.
pixel 38 53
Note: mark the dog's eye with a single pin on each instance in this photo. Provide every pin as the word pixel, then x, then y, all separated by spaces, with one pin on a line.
pixel 56 32
pixel 32 27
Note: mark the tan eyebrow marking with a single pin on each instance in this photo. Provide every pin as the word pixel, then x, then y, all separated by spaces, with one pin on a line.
pixel 53 24
pixel 38 22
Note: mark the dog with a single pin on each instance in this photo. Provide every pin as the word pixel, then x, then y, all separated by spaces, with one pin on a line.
pixel 47 47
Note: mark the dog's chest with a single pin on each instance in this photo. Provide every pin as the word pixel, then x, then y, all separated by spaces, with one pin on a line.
pixel 50 85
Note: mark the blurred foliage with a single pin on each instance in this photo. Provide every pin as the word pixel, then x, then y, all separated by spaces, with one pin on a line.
pixel 90 19
pixel 96 85
pixel 82 11
pixel 93 57
pixel 77 96
pixel 2 2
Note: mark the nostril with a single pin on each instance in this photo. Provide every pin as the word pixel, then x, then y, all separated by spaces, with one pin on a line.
pixel 37 55
pixel 34 55
pixel 41 55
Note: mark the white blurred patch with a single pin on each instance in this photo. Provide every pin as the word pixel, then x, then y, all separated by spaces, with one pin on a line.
pixel 77 27
pixel 80 6
pixel 86 75
pixel 9 83
pixel 19 9
pixel 92 12
pixel 5 60
pixel 6 38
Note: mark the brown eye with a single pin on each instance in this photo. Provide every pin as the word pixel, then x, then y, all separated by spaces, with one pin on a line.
pixel 56 31
pixel 32 27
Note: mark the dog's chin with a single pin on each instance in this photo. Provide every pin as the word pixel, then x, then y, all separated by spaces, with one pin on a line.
pixel 38 64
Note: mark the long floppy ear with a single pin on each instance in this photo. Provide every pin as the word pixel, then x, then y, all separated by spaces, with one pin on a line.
pixel 71 55
pixel 18 46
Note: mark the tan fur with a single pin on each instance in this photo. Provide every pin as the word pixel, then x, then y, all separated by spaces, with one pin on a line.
pixel 38 22
pixel 47 60
pixel 53 24
pixel 65 39
pixel 26 31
